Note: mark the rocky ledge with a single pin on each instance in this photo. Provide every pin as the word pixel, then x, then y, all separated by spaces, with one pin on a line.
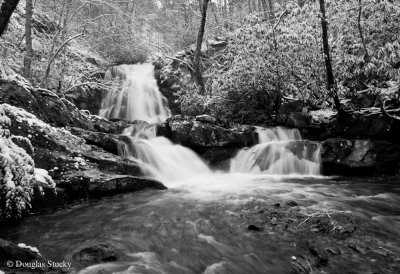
pixel 215 140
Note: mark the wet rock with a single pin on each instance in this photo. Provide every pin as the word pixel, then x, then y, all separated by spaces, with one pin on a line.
pixel 99 253
pixel 343 156
pixel 94 184
pixel 318 251
pixel 193 133
pixel 334 250
pixel 254 228
pixel 277 205
pixel 357 248
pixel 87 98
pixel 214 140
pixel 107 141
pixel 291 203
pixel 301 264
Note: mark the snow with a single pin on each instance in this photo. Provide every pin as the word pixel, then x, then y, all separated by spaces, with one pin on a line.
pixel 31 248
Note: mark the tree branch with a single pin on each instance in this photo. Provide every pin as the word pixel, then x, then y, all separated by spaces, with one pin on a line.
pixel 183 62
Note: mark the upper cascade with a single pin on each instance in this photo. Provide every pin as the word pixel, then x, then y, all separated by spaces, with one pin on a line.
pixel 139 98
pixel 280 151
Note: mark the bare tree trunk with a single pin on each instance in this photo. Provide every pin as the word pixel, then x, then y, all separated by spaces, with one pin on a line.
pixel 331 86
pixel 197 55
pixel 361 32
pixel 6 10
pixel 264 6
pixel 28 38
pixel 271 10
pixel 250 6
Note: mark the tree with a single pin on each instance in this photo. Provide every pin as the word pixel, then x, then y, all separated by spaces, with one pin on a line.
pixel 197 56
pixel 28 38
pixel 6 10
pixel 331 85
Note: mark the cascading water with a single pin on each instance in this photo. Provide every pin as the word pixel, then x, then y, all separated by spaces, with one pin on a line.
pixel 139 98
pixel 280 151
pixel 160 157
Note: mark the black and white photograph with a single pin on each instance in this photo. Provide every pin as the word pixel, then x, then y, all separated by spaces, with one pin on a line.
pixel 200 136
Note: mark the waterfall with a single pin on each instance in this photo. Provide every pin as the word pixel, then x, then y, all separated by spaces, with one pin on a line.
pixel 139 98
pixel 280 151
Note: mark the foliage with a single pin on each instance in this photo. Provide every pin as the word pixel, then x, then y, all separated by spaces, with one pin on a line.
pixel 16 175
pixel 268 60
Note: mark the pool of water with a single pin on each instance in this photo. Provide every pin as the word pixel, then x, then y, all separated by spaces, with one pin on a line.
pixel 198 226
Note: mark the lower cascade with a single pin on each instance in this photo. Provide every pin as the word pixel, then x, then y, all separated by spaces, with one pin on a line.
pixel 159 157
pixel 280 151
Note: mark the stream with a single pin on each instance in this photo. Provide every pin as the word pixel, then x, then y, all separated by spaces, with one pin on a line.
pixel 201 226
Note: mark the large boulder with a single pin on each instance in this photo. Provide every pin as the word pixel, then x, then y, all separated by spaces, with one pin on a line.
pixel 199 132
pixel 213 139
pixel 359 157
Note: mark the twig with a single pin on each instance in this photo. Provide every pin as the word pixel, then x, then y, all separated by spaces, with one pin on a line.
pixel 179 60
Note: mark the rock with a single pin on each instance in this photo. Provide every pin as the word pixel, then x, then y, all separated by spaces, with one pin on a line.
pixel 94 183
pixel 206 135
pixel 318 251
pixel 357 248
pixel 314 124
pixel 103 252
pixel 207 119
pixel 51 109
pixel 334 250
pixel 74 164
pixel 45 104
pixel 192 133
pixel 291 203
pixel 343 156
pixel 301 264
pixel 107 141
pixel 87 98
pixel 254 228
pixel 12 252
pixel 24 143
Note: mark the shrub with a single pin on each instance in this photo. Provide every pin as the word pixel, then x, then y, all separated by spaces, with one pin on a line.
pixel 16 175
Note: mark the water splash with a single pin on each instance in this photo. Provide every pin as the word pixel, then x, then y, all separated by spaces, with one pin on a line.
pixel 159 156
pixel 139 98
pixel 280 151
